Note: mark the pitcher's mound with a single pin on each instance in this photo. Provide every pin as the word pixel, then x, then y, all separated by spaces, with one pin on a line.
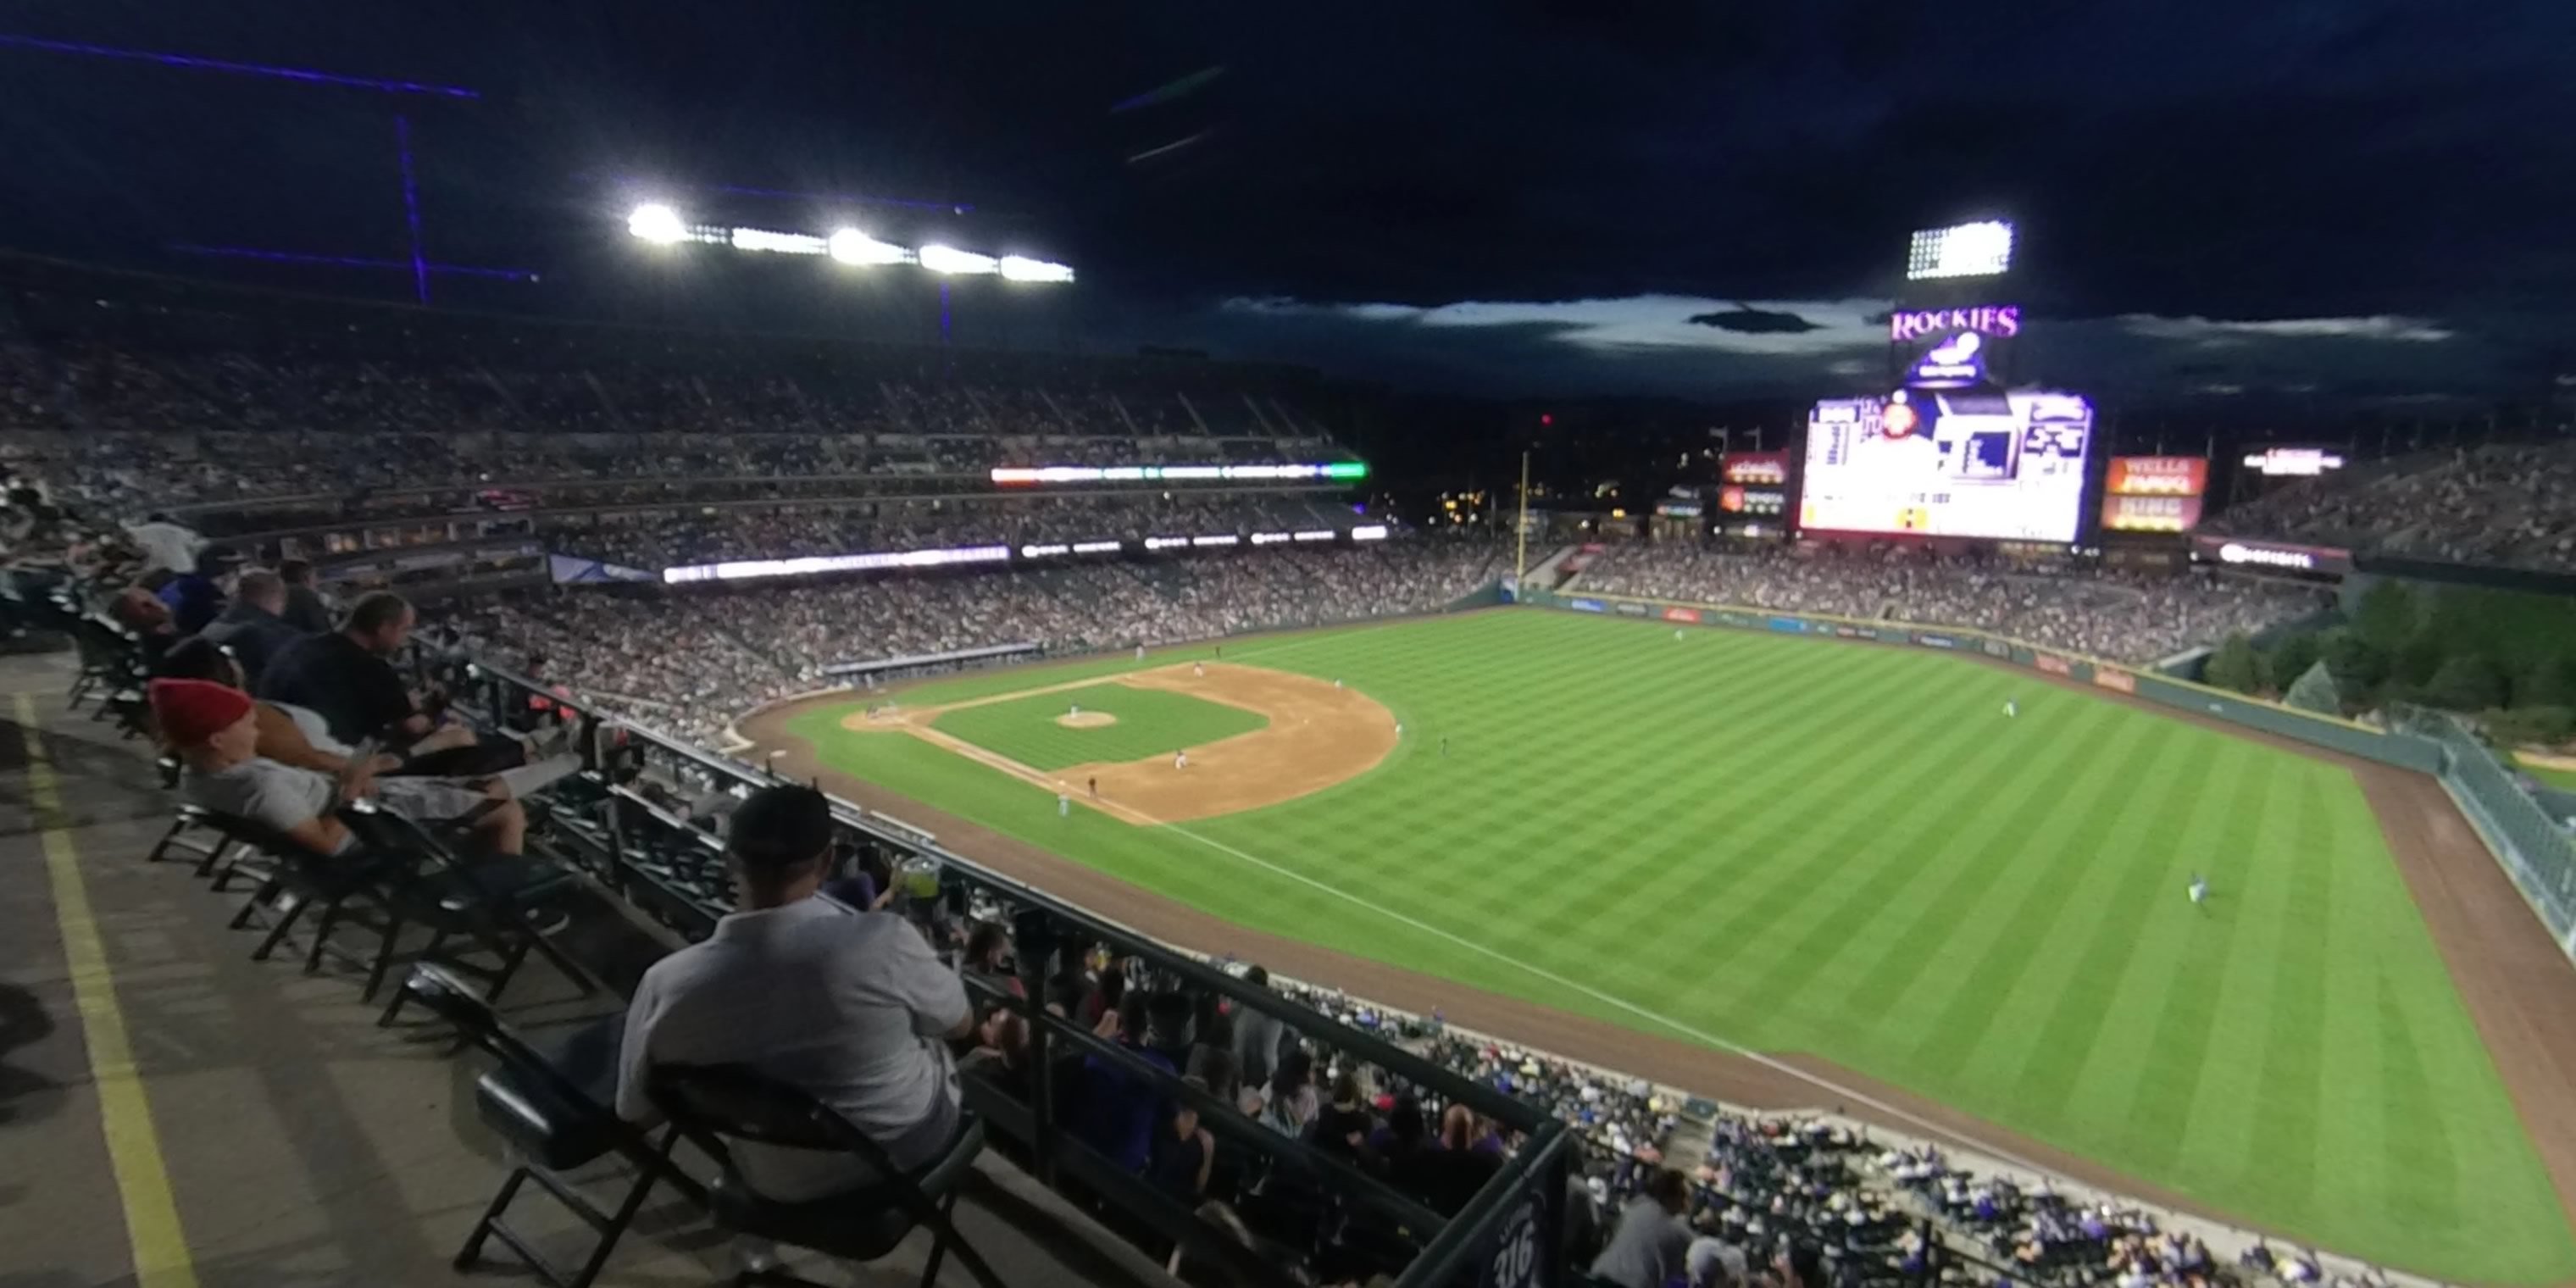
pixel 1086 720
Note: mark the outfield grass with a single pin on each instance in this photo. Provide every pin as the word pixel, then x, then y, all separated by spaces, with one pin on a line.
pixel 1151 722
pixel 1798 845
pixel 2562 779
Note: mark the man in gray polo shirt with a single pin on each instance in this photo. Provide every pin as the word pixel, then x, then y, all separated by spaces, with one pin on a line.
pixel 851 1006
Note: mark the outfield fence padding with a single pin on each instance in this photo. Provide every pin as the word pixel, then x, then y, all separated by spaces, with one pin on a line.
pixel 2535 851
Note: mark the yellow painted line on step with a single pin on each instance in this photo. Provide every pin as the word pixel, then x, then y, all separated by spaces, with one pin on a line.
pixel 152 1229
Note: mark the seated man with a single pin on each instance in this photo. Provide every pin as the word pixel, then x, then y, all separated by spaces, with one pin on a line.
pixel 252 627
pixel 345 678
pixel 196 595
pixel 215 731
pixel 851 1006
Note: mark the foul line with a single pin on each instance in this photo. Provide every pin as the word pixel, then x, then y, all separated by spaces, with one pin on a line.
pixel 152 1230
pixel 1773 1063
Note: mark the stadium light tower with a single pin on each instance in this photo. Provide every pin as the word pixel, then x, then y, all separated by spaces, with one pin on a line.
pixel 1963 250
pixel 850 246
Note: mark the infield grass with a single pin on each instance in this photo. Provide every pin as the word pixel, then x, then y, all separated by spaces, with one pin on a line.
pixel 1151 722
pixel 1797 845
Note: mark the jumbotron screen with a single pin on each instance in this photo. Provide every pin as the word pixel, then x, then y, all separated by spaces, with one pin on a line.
pixel 1948 463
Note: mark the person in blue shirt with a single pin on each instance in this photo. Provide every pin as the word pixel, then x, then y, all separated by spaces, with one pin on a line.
pixel 195 598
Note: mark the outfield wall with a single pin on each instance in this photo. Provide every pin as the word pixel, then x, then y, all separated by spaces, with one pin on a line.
pixel 2535 853
pixel 2352 738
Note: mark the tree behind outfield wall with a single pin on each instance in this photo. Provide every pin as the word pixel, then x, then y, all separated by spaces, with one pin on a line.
pixel 2387 615
pixel 2469 682
pixel 2357 667
pixel 2234 666
pixel 2294 654
pixel 2315 690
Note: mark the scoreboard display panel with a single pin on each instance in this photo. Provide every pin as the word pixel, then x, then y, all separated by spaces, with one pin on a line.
pixel 1958 463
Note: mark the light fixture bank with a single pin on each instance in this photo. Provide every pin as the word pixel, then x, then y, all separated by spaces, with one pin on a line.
pixel 663 226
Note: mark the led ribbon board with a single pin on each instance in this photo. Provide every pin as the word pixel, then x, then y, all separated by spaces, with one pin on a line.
pixel 1336 471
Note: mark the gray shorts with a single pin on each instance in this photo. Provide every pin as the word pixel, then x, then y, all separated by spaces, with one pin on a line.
pixel 431 801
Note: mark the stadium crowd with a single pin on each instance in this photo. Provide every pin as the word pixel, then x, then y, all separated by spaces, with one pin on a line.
pixel 2122 617
pixel 693 661
pixel 668 538
pixel 2499 503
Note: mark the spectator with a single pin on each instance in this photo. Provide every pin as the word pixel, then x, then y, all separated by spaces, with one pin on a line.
pixel 1651 1245
pixel 305 609
pixel 196 597
pixel 215 732
pixel 1183 1153
pixel 1290 1101
pixel 1259 1037
pixel 345 675
pixel 252 629
pixel 851 1006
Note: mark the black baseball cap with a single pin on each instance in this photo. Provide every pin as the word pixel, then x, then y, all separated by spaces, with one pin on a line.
pixel 780 827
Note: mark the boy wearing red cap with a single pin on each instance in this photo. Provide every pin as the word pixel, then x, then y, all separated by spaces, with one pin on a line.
pixel 215 731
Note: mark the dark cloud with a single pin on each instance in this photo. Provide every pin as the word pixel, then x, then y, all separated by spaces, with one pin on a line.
pixel 1752 321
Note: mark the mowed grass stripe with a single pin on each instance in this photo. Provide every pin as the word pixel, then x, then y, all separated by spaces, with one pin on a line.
pixel 2160 1113
pixel 1611 769
pixel 1802 861
pixel 2280 1145
pixel 2084 994
pixel 1717 842
pixel 2137 826
pixel 1899 954
pixel 1614 796
pixel 2067 839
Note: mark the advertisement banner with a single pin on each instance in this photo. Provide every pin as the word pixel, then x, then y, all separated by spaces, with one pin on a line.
pixel 1586 606
pixel 2258 556
pixel 1787 625
pixel 1996 648
pixel 2150 513
pixel 2158 476
pixel 1759 469
pixel 2110 679
pixel 1930 640
pixel 1633 610
pixel 1752 500
pixel 1732 619
pixel 2054 665
pixel 1690 615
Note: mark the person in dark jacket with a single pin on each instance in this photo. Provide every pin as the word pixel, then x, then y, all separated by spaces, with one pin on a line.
pixel 305 609
pixel 251 629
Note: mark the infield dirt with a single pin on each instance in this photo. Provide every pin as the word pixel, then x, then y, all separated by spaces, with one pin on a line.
pixel 1318 735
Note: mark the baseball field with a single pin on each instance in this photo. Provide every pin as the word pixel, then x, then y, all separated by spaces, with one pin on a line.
pixel 1841 862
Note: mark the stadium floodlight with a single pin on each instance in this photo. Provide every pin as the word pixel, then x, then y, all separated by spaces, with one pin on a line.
pixel 949 259
pixel 850 246
pixel 1020 268
pixel 782 243
pixel 1964 250
pixel 657 223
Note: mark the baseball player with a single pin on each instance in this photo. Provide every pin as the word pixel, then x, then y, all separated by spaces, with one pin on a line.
pixel 1399 728
pixel 1140 652
pixel 1444 746
pixel 1095 789
pixel 1677 634
pixel 1181 758
pixel 1074 711
pixel 2199 891
pixel 1337 682
pixel 1063 805
pixel 2012 708
pixel 1199 669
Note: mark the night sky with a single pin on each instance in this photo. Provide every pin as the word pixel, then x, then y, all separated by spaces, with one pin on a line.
pixel 2341 200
